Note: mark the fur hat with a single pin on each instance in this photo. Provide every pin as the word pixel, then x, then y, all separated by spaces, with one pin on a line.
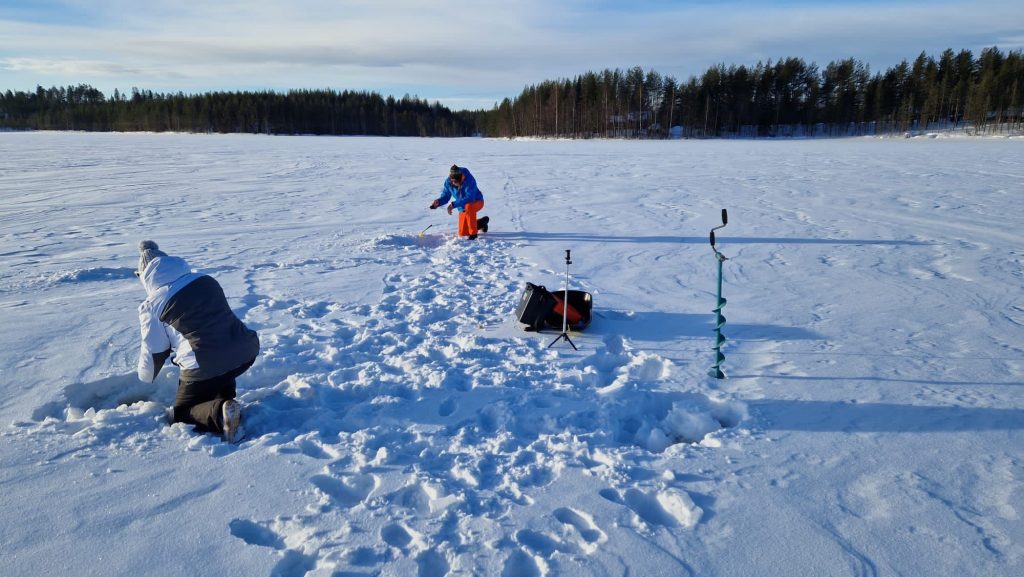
pixel 148 250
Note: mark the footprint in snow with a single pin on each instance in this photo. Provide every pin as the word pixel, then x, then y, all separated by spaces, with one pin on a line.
pixel 412 497
pixel 666 508
pixel 584 525
pixel 311 310
pixel 399 536
pixel 425 295
pixel 316 449
pixel 449 406
pixel 432 564
pixel 540 543
pixel 294 564
pixel 256 534
pixel 522 564
pixel 422 498
pixel 347 492
pixel 367 557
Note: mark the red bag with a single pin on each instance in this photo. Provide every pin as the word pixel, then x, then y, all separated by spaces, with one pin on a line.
pixel 571 315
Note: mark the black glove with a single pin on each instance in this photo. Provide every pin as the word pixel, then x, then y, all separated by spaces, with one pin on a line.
pixel 435 204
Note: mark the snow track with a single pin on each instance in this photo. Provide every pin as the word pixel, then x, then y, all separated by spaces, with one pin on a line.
pixel 432 424
pixel 474 423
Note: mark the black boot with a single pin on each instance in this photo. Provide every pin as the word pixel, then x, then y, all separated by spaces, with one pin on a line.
pixel 481 224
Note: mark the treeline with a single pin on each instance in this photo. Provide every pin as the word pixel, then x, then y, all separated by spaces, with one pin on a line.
pixel 785 98
pixel 295 112
pixel 789 97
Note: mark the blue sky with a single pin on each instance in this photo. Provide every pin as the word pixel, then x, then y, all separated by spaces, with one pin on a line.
pixel 467 54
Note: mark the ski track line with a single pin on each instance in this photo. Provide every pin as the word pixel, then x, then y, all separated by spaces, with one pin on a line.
pixel 861 564
pixel 511 191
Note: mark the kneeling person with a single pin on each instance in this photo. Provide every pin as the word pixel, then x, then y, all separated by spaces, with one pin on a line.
pixel 186 316
pixel 460 187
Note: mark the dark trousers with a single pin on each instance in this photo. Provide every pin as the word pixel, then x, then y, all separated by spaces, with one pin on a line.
pixel 199 402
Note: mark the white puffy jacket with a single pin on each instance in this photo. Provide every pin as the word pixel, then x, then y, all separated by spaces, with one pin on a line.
pixel 187 315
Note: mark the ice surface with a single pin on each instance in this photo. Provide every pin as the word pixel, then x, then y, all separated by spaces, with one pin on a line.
pixel 400 421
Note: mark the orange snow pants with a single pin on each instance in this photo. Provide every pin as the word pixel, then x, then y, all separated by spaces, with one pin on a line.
pixel 467 218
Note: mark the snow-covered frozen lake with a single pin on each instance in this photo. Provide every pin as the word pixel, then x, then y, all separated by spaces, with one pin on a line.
pixel 400 421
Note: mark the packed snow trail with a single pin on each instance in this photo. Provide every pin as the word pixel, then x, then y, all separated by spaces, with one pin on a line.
pixel 473 422
pixel 432 424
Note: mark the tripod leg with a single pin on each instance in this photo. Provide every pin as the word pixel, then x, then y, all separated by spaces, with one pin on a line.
pixel 567 339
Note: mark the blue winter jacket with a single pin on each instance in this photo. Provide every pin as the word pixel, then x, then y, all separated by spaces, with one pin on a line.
pixel 464 194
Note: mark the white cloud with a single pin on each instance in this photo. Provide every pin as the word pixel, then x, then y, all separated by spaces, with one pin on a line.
pixel 68 67
pixel 459 48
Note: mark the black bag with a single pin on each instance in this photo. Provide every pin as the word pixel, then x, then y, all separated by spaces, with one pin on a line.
pixel 535 304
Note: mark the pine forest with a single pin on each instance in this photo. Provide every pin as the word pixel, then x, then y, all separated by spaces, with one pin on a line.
pixel 789 97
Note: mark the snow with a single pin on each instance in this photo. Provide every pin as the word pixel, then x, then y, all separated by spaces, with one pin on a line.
pixel 401 422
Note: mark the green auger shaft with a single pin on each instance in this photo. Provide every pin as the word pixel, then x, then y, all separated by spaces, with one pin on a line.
pixel 716 369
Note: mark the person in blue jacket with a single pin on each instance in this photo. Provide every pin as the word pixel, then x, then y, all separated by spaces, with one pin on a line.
pixel 461 188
